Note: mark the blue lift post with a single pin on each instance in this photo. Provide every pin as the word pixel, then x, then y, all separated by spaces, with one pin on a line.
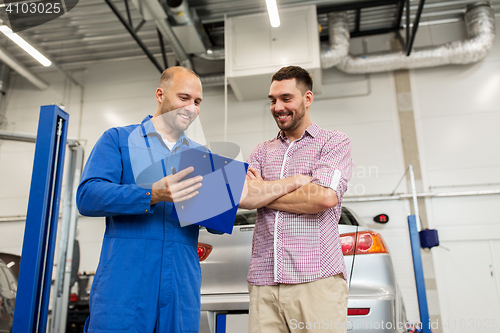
pixel 220 323
pixel 419 274
pixel 37 257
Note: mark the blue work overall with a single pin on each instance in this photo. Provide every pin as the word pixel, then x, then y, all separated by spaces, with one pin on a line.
pixel 149 277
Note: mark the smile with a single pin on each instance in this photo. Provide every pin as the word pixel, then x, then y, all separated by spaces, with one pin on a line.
pixel 283 117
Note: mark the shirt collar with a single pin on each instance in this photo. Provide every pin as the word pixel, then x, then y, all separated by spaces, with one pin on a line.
pixel 312 130
pixel 149 129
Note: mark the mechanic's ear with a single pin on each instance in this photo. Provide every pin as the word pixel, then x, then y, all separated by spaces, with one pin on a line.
pixel 160 93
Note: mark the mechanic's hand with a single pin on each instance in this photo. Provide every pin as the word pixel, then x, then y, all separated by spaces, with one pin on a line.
pixel 173 189
pixel 253 174
pixel 302 180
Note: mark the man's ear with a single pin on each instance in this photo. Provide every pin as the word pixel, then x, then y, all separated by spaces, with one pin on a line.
pixel 159 94
pixel 308 98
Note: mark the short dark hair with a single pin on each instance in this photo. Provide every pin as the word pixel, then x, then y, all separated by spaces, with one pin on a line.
pixel 303 79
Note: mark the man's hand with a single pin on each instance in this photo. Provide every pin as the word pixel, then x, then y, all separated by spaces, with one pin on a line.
pixel 253 174
pixel 172 189
pixel 258 193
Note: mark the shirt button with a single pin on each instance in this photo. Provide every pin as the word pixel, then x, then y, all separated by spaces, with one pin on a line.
pixel 146 210
pixel 147 193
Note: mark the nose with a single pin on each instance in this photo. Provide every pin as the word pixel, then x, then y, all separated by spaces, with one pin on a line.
pixel 278 106
pixel 192 108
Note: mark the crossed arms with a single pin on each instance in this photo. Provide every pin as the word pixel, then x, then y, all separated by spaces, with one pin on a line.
pixel 295 194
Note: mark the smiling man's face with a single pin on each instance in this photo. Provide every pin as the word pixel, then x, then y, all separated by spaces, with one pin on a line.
pixel 287 104
pixel 181 101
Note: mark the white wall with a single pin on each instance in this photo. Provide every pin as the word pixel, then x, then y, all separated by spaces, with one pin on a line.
pixel 457 111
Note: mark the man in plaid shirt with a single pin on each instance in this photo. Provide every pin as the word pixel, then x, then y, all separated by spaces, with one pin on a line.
pixel 297 276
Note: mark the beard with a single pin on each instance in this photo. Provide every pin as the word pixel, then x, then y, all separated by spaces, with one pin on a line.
pixel 172 118
pixel 295 118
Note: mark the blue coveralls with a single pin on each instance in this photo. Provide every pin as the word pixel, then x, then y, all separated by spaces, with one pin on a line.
pixel 149 275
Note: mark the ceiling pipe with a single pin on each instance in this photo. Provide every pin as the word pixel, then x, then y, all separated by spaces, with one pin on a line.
pixel 212 80
pixel 157 13
pixel 214 53
pixel 10 61
pixel 338 31
pixel 480 23
pixel 181 14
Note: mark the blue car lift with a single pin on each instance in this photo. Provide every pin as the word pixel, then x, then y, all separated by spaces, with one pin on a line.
pixel 417 258
pixel 35 275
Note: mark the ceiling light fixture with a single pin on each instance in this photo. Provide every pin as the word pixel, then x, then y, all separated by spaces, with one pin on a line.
pixel 272 9
pixel 25 45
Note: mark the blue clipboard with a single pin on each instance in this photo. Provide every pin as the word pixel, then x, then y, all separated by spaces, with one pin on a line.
pixel 216 204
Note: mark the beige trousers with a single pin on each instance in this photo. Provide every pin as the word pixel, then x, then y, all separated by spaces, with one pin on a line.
pixel 314 307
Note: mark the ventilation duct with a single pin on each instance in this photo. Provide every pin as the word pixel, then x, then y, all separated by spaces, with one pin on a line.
pixel 480 23
pixel 212 80
pixel 179 12
pixel 215 53
pixel 151 10
pixel 338 30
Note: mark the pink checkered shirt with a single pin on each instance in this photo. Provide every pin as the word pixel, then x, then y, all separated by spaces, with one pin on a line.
pixel 298 248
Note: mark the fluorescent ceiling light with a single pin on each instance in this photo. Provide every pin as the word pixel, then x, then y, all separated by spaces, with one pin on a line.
pixel 25 45
pixel 272 9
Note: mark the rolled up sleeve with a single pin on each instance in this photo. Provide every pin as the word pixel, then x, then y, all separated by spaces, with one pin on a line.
pixel 335 166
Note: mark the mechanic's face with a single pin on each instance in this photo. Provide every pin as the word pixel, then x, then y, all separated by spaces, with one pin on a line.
pixel 180 100
pixel 288 104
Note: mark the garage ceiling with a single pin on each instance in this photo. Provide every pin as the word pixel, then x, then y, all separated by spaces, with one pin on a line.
pixel 91 32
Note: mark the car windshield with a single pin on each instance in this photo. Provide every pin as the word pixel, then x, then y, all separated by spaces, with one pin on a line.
pixel 248 218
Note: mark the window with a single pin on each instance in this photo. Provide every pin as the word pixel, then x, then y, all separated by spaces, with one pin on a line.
pixel 347 219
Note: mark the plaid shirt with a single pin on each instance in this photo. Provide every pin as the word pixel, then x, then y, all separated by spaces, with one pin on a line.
pixel 298 248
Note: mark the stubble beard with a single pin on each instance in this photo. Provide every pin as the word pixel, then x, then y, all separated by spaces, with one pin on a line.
pixel 170 116
pixel 296 117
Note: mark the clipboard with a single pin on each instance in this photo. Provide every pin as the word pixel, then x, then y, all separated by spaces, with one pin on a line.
pixel 216 204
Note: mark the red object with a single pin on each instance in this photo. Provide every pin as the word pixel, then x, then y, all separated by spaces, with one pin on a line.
pixel 358 311
pixel 366 242
pixel 73 297
pixel 204 251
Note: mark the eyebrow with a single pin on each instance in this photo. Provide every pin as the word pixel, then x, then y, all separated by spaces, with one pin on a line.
pixel 282 95
pixel 188 95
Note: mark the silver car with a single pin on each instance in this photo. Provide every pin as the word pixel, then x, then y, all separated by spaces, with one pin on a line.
pixel 375 302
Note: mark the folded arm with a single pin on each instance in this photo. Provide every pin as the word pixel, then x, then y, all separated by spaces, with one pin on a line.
pixel 308 199
pixel 258 193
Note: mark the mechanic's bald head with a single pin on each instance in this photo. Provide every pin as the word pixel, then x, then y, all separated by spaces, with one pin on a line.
pixel 169 73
